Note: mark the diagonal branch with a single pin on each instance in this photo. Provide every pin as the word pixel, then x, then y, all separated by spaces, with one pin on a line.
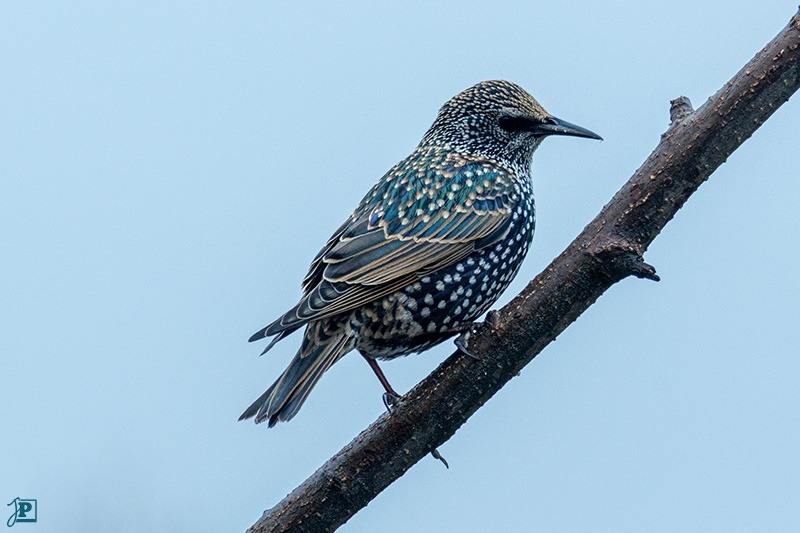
pixel 609 249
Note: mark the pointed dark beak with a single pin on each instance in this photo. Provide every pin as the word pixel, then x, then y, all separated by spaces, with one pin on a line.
pixel 556 126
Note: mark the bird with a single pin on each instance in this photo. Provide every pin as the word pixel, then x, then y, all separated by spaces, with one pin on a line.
pixel 427 251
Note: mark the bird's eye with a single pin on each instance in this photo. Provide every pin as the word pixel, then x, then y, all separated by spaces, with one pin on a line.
pixel 513 124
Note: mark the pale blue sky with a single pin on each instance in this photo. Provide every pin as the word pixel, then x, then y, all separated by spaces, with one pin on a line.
pixel 167 172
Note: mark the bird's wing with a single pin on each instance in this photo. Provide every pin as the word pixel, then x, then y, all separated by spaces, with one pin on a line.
pixel 411 224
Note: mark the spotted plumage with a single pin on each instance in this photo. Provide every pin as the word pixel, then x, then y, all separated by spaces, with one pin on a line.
pixel 427 251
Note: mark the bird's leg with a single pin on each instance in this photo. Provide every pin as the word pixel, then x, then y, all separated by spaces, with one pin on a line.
pixel 466 330
pixel 390 398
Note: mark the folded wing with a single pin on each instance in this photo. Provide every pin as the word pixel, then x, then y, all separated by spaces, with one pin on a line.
pixel 408 226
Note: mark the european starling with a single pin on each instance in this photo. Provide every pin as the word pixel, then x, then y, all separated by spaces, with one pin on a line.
pixel 427 251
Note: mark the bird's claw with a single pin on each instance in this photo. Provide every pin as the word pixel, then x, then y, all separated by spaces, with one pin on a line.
pixel 462 342
pixel 436 455
pixel 492 319
pixel 390 400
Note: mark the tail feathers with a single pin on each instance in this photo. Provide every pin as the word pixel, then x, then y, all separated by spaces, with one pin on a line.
pixel 285 397
pixel 274 341
pixel 278 336
pixel 251 411
pixel 286 324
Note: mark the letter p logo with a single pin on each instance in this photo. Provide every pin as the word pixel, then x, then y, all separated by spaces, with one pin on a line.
pixel 24 511
pixel 25 507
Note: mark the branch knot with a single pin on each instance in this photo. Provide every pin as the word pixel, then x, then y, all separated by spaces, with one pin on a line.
pixel 620 260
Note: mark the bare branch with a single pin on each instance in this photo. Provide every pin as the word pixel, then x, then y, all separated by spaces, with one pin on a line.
pixel 609 249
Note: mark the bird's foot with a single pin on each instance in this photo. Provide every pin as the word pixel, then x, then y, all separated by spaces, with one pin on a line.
pixel 462 343
pixel 466 330
pixel 436 455
pixel 390 400
pixel 492 320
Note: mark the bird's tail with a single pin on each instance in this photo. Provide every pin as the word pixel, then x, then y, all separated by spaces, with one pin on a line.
pixel 324 343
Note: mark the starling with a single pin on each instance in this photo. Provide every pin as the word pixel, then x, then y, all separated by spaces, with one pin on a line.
pixel 427 251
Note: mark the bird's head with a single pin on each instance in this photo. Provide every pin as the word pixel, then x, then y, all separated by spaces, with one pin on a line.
pixel 499 120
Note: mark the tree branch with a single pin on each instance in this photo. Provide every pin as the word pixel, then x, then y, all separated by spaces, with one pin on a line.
pixel 609 249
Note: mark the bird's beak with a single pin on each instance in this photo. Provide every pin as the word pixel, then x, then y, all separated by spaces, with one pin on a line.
pixel 556 126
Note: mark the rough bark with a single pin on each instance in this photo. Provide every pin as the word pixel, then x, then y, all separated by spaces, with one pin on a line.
pixel 609 249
